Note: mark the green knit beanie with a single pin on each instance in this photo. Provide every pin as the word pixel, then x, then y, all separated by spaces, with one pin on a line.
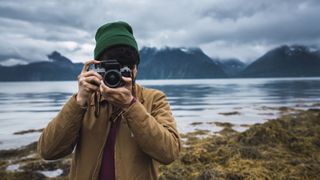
pixel 111 34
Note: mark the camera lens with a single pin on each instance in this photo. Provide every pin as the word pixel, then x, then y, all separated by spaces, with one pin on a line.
pixel 112 78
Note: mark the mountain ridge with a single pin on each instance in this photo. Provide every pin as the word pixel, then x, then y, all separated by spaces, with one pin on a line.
pixel 181 63
pixel 177 63
pixel 285 61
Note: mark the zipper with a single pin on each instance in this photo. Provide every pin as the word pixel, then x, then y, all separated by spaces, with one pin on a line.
pixel 116 143
pixel 115 153
pixel 95 173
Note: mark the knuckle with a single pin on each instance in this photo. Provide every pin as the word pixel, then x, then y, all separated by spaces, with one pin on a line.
pixel 87 89
pixel 80 76
pixel 87 62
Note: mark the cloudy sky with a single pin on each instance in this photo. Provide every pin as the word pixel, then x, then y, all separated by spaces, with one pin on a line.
pixel 31 29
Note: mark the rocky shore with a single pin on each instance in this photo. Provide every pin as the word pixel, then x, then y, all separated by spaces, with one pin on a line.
pixel 284 148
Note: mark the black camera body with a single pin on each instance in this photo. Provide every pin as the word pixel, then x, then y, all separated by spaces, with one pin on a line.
pixel 112 72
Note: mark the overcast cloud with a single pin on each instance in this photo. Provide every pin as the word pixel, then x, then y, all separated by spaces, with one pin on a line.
pixel 31 29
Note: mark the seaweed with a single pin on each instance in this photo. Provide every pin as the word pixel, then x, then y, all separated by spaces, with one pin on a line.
pixel 196 123
pixel 284 148
pixel 230 113
pixel 28 131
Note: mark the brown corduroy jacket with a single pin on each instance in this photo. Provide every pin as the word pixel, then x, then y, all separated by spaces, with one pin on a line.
pixel 147 136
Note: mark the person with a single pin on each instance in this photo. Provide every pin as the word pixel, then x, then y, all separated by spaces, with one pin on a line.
pixel 118 133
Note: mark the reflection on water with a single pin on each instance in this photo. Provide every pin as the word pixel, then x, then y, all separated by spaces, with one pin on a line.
pixel 31 105
pixel 32 102
pixel 203 100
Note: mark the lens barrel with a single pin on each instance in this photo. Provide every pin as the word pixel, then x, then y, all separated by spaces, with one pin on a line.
pixel 113 78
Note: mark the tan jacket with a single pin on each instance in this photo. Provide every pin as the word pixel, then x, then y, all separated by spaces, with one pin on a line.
pixel 147 136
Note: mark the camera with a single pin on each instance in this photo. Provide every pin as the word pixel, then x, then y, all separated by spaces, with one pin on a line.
pixel 112 71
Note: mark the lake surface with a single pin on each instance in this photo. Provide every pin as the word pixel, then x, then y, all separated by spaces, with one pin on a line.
pixel 31 105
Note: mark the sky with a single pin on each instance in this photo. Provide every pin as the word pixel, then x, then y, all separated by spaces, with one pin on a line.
pixel 242 29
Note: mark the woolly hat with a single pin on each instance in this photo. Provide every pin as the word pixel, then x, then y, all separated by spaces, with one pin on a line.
pixel 111 34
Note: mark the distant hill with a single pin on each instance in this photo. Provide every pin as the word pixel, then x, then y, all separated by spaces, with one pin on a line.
pixel 177 63
pixel 181 63
pixel 59 68
pixel 232 67
pixel 165 63
pixel 285 61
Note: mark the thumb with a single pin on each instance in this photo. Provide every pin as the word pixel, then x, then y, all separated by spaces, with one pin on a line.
pixel 103 86
pixel 127 81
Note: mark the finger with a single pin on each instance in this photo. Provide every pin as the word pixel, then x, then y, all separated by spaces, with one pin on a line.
pixel 105 92
pixel 93 80
pixel 90 79
pixel 107 89
pixel 81 79
pixel 110 99
pixel 127 81
pixel 103 88
pixel 91 73
pixel 115 97
pixel 90 87
pixel 87 64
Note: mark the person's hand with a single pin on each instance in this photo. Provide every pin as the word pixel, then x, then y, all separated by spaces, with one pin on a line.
pixel 120 96
pixel 88 82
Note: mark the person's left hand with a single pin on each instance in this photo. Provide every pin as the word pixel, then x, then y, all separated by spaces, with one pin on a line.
pixel 120 96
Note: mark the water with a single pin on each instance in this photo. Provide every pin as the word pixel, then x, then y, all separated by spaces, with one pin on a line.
pixel 31 105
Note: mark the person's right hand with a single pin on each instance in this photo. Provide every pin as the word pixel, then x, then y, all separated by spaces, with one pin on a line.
pixel 88 82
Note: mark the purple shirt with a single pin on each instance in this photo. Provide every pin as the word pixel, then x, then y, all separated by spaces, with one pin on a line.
pixel 107 171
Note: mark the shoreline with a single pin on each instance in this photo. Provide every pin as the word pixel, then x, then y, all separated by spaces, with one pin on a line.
pixel 285 147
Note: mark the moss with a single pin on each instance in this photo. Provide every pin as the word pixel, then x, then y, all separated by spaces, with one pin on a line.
pixel 196 123
pixel 224 124
pixel 14 153
pixel 3 163
pixel 230 113
pixel 227 131
pixel 250 152
pixel 28 131
pixel 315 104
pixel 30 163
pixel 284 109
pixel 21 175
pixel 195 134
pixel 245 125
pixel 284 148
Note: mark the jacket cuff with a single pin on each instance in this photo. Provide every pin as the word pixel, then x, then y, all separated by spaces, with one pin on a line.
pixel 74 106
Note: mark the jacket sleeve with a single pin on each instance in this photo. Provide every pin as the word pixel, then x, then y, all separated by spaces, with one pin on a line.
pixel 155 133
pixel 59 138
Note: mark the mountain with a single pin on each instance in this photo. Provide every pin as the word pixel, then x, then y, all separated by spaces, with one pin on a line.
pixel 232 67
pixel 58 68
pixel 167 63
pixel 181 63
pixel 286 61
pixel 177 63
pixel 56 57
